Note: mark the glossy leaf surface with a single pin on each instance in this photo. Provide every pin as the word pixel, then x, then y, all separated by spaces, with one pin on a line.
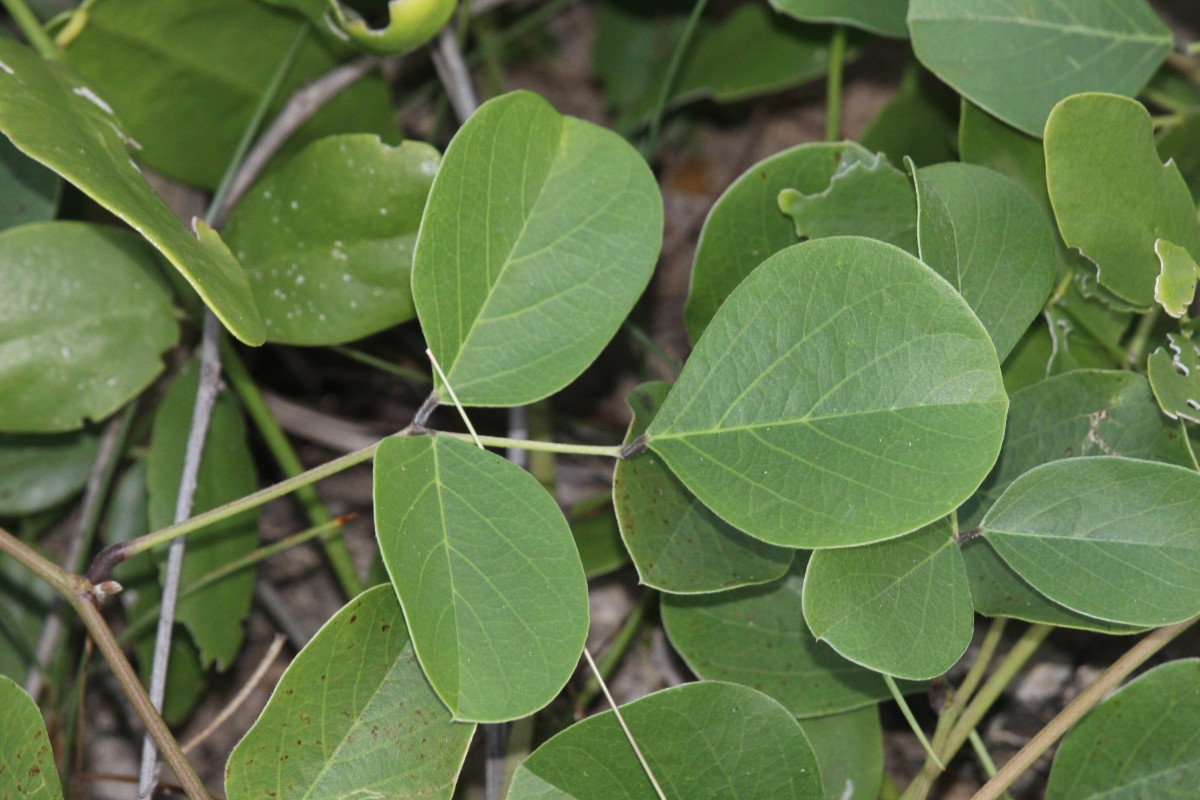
pixel 700 740
pixel 756 636
pixel 877 16
pixel 1141 742
pixel 540 233
pixel 1016 60
pixel 1112 195
pixel 27 768
pixel 84 317
pixel 843 394
pixel 487 573
pixel 212 615
pixel 1000 252
pixel 52 116
pixel 677 544
pixel 1106 537
pixel 28 191
pixel 184 77
pixel 745 226
pixel 410 24
pixel 901 607
pixel 353 715
pixel 327 239
pixel 849 749
pixel 38 471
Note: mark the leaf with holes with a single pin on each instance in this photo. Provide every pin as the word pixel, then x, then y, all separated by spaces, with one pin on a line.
pixel 1174 373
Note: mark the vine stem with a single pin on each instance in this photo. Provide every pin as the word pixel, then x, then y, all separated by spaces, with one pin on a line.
pixel 833 84
pixel 609 451
pixel 1109 680
pixel 81 595
pixel 1141 336
pixel 29 24
pixel 621 719
pixel 664 92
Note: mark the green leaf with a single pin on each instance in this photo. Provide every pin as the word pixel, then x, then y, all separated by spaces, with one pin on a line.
pixel 1000 252
pixel 84 317
pixel 27 768
pixel 327 239
pixel 700 740
pixel 597 536
pixel 213 615
pixel 352 716
pixel 1141 742
pixel 53 117
pixel 1181 145
pixel 677 544
pixel 1113 197
pixel 1175 287
pixel 28 191
pixel 540 233
pixel 1174 373
pixel 877 16
pixel 843 394
pixel 1106 537
pixel 901 607
pixel 756 636
pixel 920 122
pixel 185 76
pixel 487 573
pixel 411 23
pixel 1016 60
pixel 39 471
pixel 849 749
pixel 26 601
pixel 866 196
pixel 745 226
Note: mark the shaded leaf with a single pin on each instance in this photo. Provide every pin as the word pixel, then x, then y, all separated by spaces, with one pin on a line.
pixel 1103 537
pixel 1000 253
pixel 84 317
pixel 28 191
pixel 866 196
pixel 353 715
pixel 1112 196
pixel 745 225
pixel 1174 373
pixel 843 395
pixel 597 536
pixel 487 573
pixel 1016 60
pixel 849 749
pixel 901 607
pixel 27 768
pixel 213 615
pixel 677 544
pixel 52 116
pixel 920 122
pixel 1141 742
pixel 540 233
pixel 25 602
pixel 327 239
pixel 756 636
pixel 700 740
pixel 877 16
pixel 39 471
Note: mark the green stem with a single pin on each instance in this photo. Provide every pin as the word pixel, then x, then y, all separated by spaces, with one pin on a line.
pixel 285 455
pixel 1187 441
pixel 1192 48
pixel 664 92
pixel 958 701
pixel 617 648
pixel 912 720
pixel 79 593
pixel 1141 336
pixel 981 753
pixel 1089 697
pixel 31 26
pixel 833 85
pixel 416 376
pixel 609 451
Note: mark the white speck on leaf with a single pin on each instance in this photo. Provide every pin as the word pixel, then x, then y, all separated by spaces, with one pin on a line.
pixel 88 94
pixel 6 68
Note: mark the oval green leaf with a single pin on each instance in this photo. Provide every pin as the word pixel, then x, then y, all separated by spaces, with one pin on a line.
pixel 53 117
pixel 487 573
pixel 352 716
pixel 901 607
pixel 39 471
pixel 677 544
pixel 27 768
pixel 327 239
pixel 1112 195
pixel 212 615
pixel 745 226
pixel 411 23
pixel 28 191
pixel 877 16
pixel 84 317
pixel 1110 538
pixel 849 748
pixel 1016 60
pixel 1000 254
pixel 1139 743
pixel 756 636
pixel 843 394
pixel 700 740
pixel 540 233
